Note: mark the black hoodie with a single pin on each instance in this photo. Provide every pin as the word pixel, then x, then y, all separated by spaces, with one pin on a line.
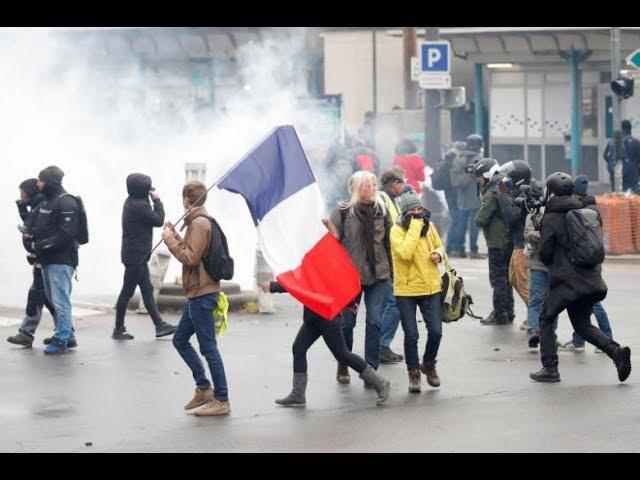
pixel 568 283
pixel 138 220
pixel 30 218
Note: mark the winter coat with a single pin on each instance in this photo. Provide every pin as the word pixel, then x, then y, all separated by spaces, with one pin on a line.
pixel 56 228
pixel 568 283
pixel 491 219
pixel 190 251
pixel 138 220
pixel 514 217
pixel 414 274
pixel 532 246
pixel 392 208
pixel 351 237
pixel 364 158
pixel 413 167
pixel 465 182
pixel 29 214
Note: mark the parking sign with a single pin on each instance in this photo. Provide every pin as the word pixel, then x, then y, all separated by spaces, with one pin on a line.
pixel 435 57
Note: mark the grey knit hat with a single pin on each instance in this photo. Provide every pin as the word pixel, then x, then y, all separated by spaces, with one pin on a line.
pixel 409 200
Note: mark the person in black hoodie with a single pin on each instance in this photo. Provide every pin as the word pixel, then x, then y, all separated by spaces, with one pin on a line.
pixel 55 242
pixel 574 288
pixel 138 220
pixel 28 204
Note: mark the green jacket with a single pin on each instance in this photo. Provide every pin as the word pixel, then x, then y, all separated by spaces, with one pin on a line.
pixel 491 220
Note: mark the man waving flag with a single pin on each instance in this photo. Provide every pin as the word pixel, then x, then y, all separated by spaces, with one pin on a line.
pixel 286 205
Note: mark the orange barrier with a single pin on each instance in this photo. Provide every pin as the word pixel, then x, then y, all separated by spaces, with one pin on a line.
pixel 620 221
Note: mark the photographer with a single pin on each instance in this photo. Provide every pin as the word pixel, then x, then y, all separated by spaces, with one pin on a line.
pixel 513 175
pixel 28 206
pixel 464 181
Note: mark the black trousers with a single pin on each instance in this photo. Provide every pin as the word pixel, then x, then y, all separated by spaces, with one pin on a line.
pixel 499 280
pixel 36 297
pixel 134 276
pixel 580 316
pixel 314 327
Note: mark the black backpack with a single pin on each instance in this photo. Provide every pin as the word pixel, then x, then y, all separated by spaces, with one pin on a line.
pixel 441 176
pixel 585 234
pixel 217 262
pixel 83 227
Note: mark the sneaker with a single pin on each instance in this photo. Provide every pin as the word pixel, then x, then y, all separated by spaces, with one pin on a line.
pixel 533 340
pixel 477 256
pixel 56 347
pixel 213 408
pixel 165 329
pixel 492 319
pixel 121 334
pixel 71 343
pixel 622 360
pixel 388 356
pixel 20 339
pixel 570 347
pixel 546 375
pixel 201 396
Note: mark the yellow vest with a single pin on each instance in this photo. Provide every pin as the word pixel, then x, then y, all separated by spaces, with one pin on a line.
pixel 414 273
pixel 392 208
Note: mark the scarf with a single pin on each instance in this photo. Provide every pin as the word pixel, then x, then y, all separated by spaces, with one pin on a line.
pixel 365 214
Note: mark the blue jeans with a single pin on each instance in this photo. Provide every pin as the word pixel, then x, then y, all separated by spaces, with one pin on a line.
pixel 464 219
pixel 538 288
pixel 390 320
pixel 375 296
pixel 603 324
pixel 431 308
pixel 197 318
pixel 57 288
pixel 455 239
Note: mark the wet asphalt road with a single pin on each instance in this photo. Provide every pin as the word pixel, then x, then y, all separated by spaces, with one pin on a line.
pixel 129 396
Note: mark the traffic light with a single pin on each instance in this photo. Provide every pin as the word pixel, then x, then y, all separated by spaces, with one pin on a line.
pixel 623 87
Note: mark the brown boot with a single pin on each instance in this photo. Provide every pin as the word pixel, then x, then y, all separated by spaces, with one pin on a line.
pixel 213 408
pixel 201 397
pixel 429 369
pixel 343 374
pixel 414 380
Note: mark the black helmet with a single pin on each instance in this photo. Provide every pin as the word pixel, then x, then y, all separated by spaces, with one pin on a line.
pixel 486 168
pixel 518 171
pixel 475 142
pixel 559 184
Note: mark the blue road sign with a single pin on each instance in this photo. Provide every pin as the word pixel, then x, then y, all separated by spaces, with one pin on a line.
pixel 435 57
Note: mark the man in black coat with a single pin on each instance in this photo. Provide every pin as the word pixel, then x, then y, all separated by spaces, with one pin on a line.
pixel 138 220
pixel 571 287
pixel 28 205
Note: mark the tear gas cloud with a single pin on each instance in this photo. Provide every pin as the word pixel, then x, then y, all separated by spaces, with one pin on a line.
pixel 56 108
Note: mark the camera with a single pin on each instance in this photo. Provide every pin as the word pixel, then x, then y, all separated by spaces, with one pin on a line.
pixel 530 199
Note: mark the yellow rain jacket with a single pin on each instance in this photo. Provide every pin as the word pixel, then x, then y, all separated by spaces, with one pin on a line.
pixel 414 274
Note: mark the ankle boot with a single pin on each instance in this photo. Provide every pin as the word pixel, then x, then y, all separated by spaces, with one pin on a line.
pixel 429 369
pixel 200 397
pixel 296 398
pixel 343 374
pixel 414 381
pixel 381 385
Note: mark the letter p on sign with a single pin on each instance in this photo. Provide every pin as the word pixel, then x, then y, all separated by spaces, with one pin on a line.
pixel 435 57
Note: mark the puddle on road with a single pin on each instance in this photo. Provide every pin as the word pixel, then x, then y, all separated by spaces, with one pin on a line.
pixel 55 410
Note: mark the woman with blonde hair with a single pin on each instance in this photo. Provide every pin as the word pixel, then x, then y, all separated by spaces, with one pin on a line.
pixel 363 229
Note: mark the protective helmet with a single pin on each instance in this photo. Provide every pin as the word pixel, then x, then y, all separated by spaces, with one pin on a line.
pixel 451 154
pixel 460 146
pixel 475 142
pixel 486 168
pixel 518 171
pixel 559 184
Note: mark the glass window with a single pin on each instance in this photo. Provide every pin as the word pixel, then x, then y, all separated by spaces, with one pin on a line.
pixel 535 79
pixel 507 112
pixel 535 161
pixel 506 153
pixel 556 160
pixel 558 78
pixel 589 109
pixel 557 108
pixel 534 112
pixel 589 163
pixel 507 78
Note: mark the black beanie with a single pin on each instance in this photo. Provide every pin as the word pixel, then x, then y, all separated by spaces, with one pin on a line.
pixel 51 175
pixel 30 187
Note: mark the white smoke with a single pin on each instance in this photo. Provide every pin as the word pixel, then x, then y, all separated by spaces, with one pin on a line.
pixel 56 109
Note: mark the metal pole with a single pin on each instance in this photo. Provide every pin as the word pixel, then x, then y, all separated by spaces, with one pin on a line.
pixel 479 101
pixel 615 70
pixel 410 49
pixel 432 147
pixel 576 130
pixel 375 68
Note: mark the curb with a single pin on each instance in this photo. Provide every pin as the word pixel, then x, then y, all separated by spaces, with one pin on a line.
pixel 622 260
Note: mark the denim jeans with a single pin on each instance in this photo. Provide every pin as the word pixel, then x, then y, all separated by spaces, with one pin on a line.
pixel 603 324
pixel 197 318
pixel 465 219
pixel 538 288
pixel 455 239
pixel 390 320
pixel 431 308
pixel 36 300
pixel 57 288
pixel 374 299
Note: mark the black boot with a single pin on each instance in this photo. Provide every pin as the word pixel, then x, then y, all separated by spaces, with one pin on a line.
pixel 622 359
pixel 121 334
pixel 165 329
pixel 494 319
pixel 296 398
pixel 20 339
pixel 546 375
pixel 388 356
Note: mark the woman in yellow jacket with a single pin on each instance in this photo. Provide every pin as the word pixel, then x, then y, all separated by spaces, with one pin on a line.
pixel 416 251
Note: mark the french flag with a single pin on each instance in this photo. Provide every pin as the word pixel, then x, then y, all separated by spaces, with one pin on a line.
pixel 286 205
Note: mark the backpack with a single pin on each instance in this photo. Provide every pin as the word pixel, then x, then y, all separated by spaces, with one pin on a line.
pixel 585 237
pixel 217 262
pixel 441 176
pixel 83 227
pixel 456 302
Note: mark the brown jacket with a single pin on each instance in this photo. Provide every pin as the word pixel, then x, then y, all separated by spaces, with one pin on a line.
pixel 190 251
